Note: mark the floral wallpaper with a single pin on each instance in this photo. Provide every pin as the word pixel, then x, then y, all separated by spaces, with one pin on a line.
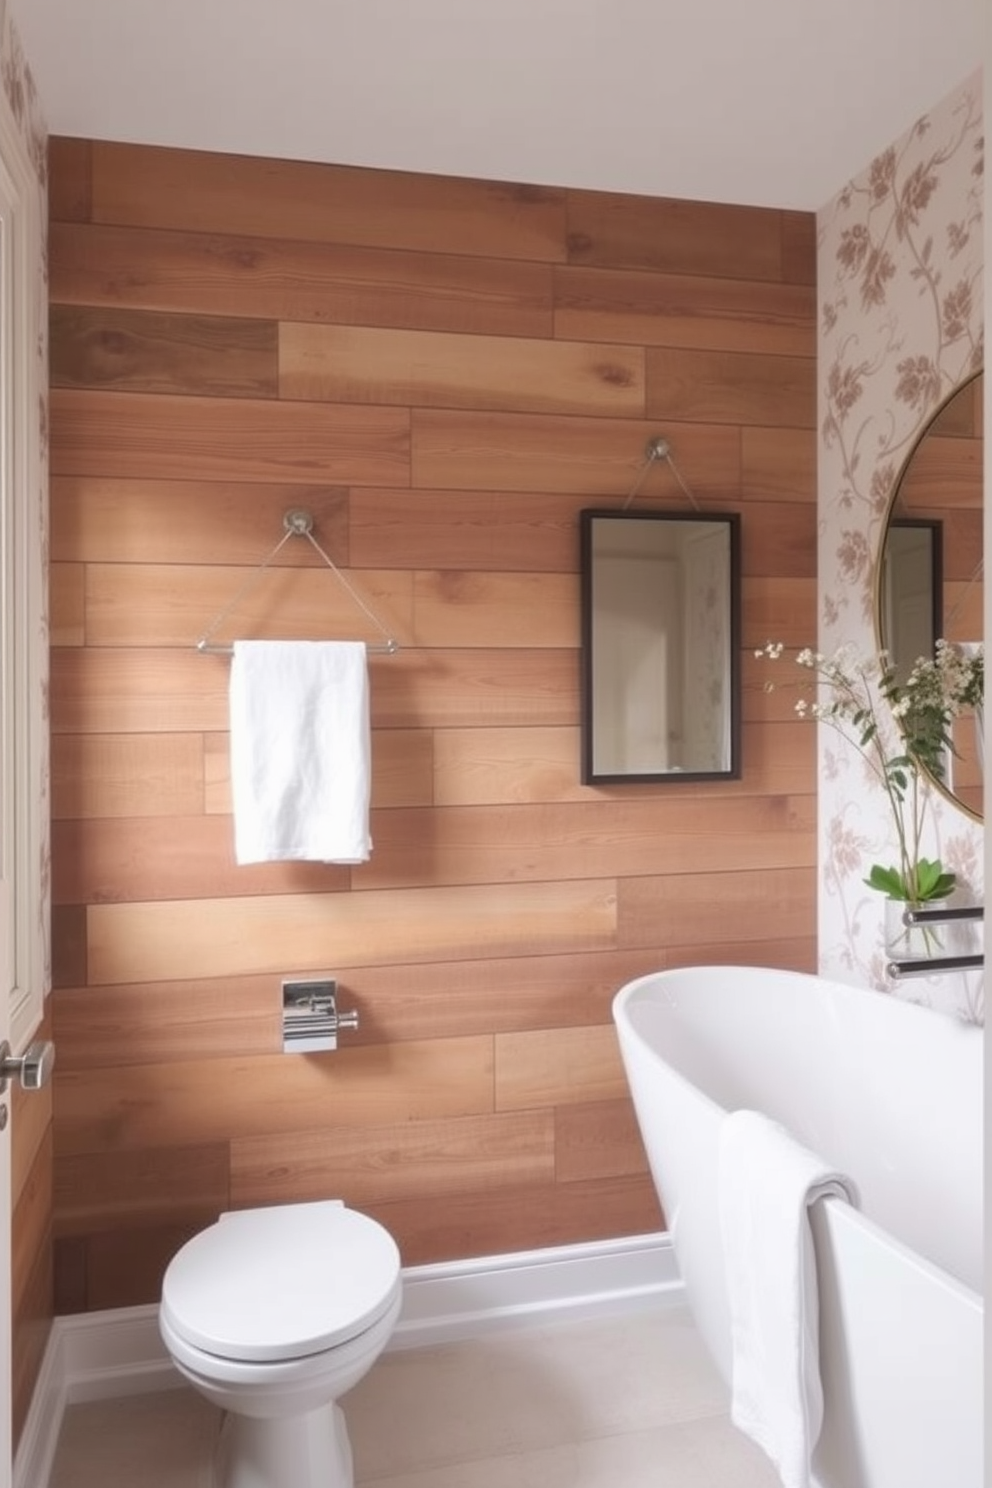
pixel 24 141
pixel 899 268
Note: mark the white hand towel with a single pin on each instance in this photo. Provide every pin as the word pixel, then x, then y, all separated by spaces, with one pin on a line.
pixel 767 1181
pixel 300 759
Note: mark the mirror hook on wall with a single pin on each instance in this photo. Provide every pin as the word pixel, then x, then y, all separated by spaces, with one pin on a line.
pixel 658 448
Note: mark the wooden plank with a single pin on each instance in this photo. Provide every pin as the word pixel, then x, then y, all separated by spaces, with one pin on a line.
pixel 510 766
pixel 495 610
pixel 30 1226
pixel 596 458
pixel 178 1185
pixel 686 310
pixel 452 688
pixel 124 1268
pixel 153 1022
pixel 188 939
pixel 69 179
pixel 68 943
pixel 159 604
pixel 412 1159
pixel 147 352
pixel 476 766
pixel 148 187
pixel 247 439
pixel 124 689
pixel 712 907
pixel 67 604
pixel 31 1322
pixel 31 1116
pixel 130 690
pixel 126 775
pixel 107 860
pixel 778 539
pixel 99 520
pixel 673 237
pixel 432 369
pixel 731 387
pixel 209 1101
pixel 278 279
pixel 597 1140
pixel 779 609
pixel 449 999
pixel 479 530
pixel 488 1222
pixel 402 769
pixel 779 464
pixel 799 247
pixel 558 1066
pixel 664 832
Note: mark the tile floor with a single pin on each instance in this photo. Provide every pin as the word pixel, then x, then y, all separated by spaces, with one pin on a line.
pixel 624 1402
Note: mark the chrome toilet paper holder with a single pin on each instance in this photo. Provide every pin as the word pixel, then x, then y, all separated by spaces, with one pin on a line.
pixel 310 1018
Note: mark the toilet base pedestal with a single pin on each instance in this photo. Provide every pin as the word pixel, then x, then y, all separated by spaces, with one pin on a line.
pixel 305 1451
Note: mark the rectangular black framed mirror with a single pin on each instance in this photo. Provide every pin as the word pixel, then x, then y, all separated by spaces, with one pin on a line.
pixel 660 603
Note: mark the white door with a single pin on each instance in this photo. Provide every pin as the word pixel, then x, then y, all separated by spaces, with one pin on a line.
pixel 23 674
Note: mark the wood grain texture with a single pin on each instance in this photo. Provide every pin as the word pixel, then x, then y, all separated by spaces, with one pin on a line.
pixel 248 439
pixel 203 937
pixel 599 1139
pixel 410 1160
pixel 201 1102
pixel 186 1185
pixel 683 310
pixel 159 604
pixel 674 237
pixel 465 530
pixel 282 279
pixel 483 1222
pixel 596 458
pixel 444 373
pixel 431 369
pixel 144 187
pixel 731 387
pixel 140 351
pixel 558 1066
pixel 153 1022
pixel 96 519
pixel 715 906
pixel 127 775
pixel 117 859
pixel 67 604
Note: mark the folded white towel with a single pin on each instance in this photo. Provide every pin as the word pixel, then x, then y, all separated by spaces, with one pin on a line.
pixel 767 1181
pixel 300 759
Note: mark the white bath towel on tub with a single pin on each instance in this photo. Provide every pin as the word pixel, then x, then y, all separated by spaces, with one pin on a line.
pixel 767 1181
pixel 300 763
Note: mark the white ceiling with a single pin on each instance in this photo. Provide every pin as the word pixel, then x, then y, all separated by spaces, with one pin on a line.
pixel 764 102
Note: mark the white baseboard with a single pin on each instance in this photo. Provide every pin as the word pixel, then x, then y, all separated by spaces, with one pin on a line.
pixel 100 1355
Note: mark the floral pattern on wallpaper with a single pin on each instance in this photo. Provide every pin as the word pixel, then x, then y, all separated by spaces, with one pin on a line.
pixel 900 271
pixel 22 109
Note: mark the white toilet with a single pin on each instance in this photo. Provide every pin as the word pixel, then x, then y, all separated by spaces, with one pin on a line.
pixel 273 1314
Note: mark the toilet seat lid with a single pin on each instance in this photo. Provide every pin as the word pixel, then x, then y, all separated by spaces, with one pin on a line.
pixel 281 1282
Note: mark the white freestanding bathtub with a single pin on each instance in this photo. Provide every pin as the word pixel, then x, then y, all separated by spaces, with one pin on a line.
pixel 887 1092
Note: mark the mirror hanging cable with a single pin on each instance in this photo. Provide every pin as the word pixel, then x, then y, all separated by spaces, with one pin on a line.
pixel 657 449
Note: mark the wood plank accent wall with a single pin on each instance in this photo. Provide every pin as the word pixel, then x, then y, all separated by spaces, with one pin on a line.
pixel 445 372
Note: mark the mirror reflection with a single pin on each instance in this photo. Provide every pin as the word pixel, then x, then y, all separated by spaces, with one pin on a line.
pixel 660 647
pixel 930 577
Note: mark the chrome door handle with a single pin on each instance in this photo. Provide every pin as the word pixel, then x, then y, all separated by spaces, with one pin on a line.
pixel 33 1068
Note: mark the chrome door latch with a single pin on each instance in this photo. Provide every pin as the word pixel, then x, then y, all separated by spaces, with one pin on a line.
pixel 33 1068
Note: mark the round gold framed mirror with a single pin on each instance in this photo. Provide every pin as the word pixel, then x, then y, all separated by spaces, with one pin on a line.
pixel 929 577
